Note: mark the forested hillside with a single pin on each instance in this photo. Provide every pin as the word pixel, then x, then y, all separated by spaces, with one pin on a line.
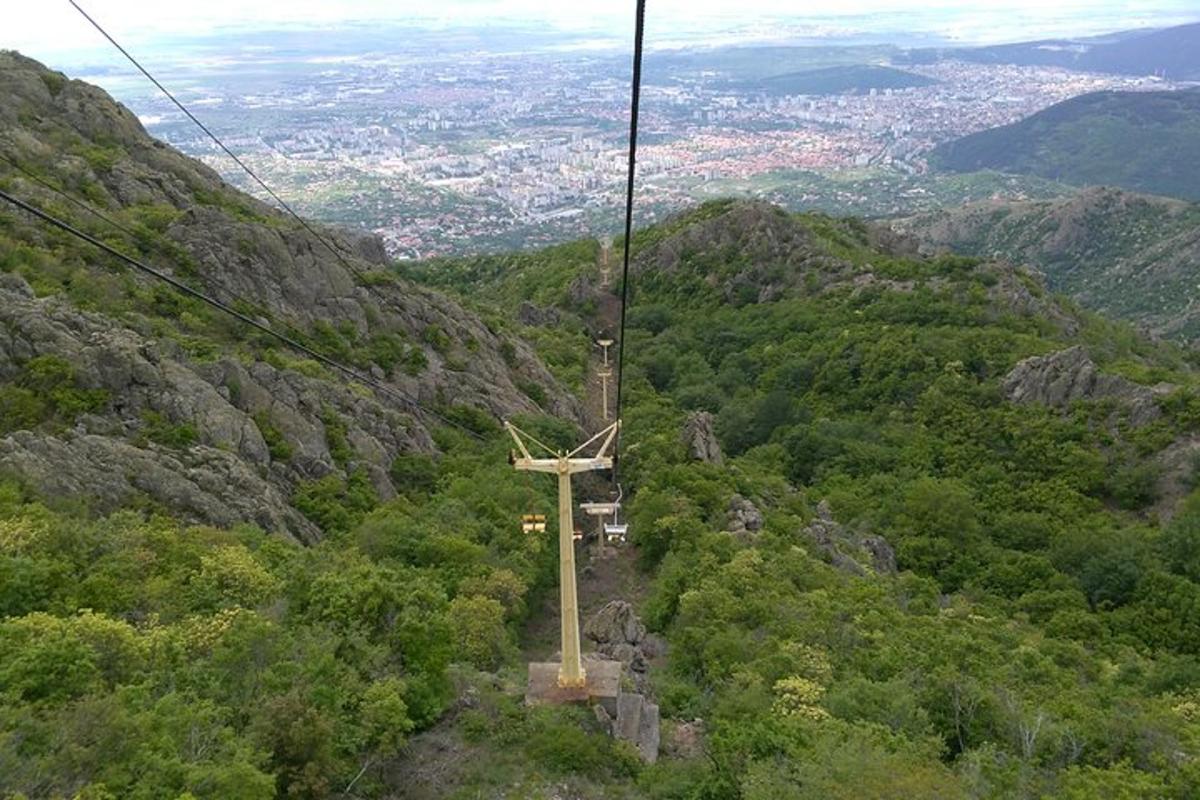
pixel 1144 141
pixel 858 79
pixel 1125 255
pixel 901 527
pixel 975 567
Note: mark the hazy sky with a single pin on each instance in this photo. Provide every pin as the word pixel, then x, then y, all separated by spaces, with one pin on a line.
pixel 45 27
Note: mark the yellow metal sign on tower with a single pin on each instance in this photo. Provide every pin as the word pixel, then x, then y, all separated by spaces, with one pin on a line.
pixel 563 464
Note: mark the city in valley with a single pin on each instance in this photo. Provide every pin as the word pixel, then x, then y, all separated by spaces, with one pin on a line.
pixel 450 149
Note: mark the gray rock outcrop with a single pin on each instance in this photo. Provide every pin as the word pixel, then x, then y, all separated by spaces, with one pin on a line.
pixel 201 484
pixel 846 550
pixel 744 516
pixel 700 438
pixel 536 316
pixel 618 633
pixel 1068 376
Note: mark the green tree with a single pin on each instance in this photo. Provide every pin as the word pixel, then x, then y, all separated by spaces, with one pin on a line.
pixel 480 637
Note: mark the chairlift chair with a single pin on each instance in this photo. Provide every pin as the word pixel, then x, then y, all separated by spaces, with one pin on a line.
pixel 616 532
pixel 533 523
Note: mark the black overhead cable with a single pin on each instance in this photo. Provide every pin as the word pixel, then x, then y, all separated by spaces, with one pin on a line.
pixel 357 273
pixel 636 93
pixel 337 366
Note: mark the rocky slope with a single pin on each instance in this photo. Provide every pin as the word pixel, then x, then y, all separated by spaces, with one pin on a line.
pixel 1119 253
pixel 160 363
pixel 746 253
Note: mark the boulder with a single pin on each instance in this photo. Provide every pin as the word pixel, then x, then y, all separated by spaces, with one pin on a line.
pixel 629 716
pixel 621 636
pixel 686 739
pixel 883 556
pixel 536 316
pixel 649 732
pixel 615 624
pixel 744 516
pixel 638 722
pixel 700 438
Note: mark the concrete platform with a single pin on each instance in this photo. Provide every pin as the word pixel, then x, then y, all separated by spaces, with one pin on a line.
pixel 603 684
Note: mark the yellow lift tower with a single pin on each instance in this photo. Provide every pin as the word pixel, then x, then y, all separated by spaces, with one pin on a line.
pixel 571 675
pixel 605 269
pixel 604 344
pixel 604 373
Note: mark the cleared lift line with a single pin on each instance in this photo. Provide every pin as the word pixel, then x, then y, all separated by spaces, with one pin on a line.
pixel 567 680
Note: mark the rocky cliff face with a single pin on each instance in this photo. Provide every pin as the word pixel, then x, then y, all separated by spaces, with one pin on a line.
pixel 158 360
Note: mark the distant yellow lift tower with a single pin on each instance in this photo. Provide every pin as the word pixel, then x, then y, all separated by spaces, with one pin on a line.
pixel 604 373
pixel 605 269
pixel 571 674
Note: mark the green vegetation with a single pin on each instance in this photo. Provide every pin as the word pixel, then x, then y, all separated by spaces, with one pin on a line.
pixel 1147 141
pixel 158 429
pixel 335 437
pixel 276 443
pixel 857 79
pixel 46 392
pixel 140 658
pixel 1122 254
pixel 337 504
pixel 1038 639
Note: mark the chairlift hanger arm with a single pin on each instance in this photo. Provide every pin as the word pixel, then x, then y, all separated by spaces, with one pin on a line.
pixel 516 433
pixel 611 432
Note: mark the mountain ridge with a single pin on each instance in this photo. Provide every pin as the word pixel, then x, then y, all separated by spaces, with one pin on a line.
pixel 1166 52
pixel 1117 252
pixel 1144 141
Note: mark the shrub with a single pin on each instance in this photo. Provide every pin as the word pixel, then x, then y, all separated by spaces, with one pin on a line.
pixel 480 637
pixel 335 436
pixel 160 430
pixel 20 409
pixel 334 504
pixel 276 442
pixel 46 390
pixel 414 473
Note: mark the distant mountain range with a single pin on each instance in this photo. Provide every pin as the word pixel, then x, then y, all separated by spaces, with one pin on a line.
pixel 1146 141
pixel 1172 53
pixel 1123 254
